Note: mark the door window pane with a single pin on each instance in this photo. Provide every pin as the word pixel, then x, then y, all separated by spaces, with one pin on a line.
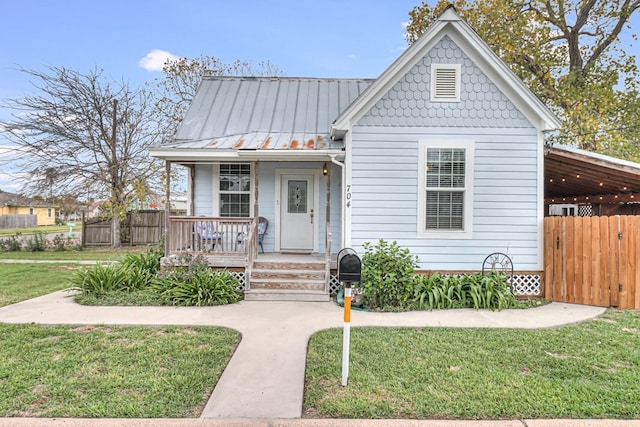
pixel 297 197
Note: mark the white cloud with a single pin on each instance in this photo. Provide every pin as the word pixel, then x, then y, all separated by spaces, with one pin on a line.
pixel 352 56
pixel 404 25
pixel 155 60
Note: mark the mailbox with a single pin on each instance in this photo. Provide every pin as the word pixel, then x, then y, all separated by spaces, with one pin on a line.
pixel 349 266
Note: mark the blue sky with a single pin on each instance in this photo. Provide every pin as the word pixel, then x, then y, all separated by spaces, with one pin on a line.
pixel 322 38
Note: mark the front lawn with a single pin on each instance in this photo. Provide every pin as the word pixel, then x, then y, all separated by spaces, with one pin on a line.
pixel 110 372
pixel 19 282
pixel 591 370
pixel 86 254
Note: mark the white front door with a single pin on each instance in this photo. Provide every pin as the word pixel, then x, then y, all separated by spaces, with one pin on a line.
pixel 297 213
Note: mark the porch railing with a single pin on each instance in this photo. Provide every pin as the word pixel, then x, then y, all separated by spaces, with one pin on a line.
pixel 211 235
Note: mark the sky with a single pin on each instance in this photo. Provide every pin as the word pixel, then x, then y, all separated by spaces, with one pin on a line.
pixel 131 39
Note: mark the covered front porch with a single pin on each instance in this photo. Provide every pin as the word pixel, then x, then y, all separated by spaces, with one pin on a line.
pixel 232 244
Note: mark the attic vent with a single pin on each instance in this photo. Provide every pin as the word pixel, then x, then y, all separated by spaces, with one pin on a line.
pixel 445 82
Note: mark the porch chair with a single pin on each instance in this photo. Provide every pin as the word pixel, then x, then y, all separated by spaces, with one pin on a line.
pixel 207 235
pixel 263 224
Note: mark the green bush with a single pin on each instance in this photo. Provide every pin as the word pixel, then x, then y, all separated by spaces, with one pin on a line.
pixel 37 242
pixel 476 290
pixel 197 285
pixel 11 244
pixel 100 280
pixel 205 288
pixel 388 275
pixel 389 282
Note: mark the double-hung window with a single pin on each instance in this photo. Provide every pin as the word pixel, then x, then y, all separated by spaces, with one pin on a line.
pixel 446 190
pixel 235 190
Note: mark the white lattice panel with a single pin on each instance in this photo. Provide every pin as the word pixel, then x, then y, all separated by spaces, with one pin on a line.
pixel 526 284
pixel 241 279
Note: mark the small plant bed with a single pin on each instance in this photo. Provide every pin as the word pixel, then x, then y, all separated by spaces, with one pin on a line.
pixel 19 282
pixel 389 283
pixel 589 370
pixel 138 280
pixel 110 372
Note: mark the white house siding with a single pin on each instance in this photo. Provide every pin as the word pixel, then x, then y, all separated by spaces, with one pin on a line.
pixel 205 190
pixel 385 168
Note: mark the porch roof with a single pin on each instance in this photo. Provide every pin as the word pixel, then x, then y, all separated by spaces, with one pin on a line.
pixel 230 114
pixel 578 176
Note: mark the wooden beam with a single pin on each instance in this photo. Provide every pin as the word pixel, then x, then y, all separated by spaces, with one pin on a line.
pixel 596 198
pixel 167 208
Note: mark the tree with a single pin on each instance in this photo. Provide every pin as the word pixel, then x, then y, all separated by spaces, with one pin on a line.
pixel 183 76
pixel 81 134
pixel 570 55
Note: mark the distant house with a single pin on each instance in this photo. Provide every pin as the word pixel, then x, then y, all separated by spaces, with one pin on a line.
pixel 16 204
pixel 443 153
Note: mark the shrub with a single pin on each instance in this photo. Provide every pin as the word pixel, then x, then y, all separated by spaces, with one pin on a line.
pixel 100 280
pixel 388 275
pixel 11 244
pixel 37 242
pixel 197 284
pixel 59 243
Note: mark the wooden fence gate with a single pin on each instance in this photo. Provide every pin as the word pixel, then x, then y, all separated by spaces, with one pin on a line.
pixel 593 260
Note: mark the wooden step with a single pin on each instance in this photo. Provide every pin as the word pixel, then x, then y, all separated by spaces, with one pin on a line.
pixel 316 285
pixel 287 274
pixel 287 265
pixel 285 295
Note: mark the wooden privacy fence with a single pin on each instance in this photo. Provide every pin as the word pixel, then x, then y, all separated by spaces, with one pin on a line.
pixel 593 260
pixel 18 221
pixel 139 228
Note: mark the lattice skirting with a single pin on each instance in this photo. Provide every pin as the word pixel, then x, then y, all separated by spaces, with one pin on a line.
pixel 242 279
pixel 523 285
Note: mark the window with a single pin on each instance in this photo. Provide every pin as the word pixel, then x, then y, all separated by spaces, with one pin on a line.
pixel 235 190
pixel 445 83
pixel 30 211
pixel 446 193
pixel 49 212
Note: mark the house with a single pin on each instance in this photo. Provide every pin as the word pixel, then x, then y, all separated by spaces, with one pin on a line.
pixel 16 204
pixel 443 153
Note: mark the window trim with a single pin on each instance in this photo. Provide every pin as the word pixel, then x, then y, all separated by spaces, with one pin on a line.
pixel 469 147
pixel 219 193
pixel 434 72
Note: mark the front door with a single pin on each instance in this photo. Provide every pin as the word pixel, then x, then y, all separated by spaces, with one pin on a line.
pixel 297 213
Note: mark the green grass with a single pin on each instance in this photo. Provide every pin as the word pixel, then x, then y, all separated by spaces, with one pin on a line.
pixel 92 253
pixel 591 370
pixel 62 229
pixel 19 282
pixel 110 372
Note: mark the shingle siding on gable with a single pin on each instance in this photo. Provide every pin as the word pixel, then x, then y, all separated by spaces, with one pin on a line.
pixel 481 104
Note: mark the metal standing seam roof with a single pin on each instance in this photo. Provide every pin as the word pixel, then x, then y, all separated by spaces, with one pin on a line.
pixel 265 113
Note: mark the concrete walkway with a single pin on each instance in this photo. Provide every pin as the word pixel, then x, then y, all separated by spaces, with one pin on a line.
pixel 265 377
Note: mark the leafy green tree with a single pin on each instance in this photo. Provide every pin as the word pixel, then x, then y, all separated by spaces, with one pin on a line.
pixel 570 54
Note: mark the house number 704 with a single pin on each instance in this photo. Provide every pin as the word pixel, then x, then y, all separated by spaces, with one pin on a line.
pixel 348 195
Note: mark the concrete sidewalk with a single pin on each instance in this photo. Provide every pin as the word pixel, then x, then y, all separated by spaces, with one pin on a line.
pixel 265 377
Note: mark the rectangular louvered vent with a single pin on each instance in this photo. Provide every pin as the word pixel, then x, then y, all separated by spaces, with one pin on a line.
pixel 445 82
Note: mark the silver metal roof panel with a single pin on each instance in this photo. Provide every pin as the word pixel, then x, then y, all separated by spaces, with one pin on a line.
pixel 264 113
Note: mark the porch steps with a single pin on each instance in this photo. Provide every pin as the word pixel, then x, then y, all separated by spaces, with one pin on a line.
pixel 287 281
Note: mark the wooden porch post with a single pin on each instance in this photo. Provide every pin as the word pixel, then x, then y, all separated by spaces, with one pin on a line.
pixel 256 173
pixel 192 187
pixel 328 239
pixel 167 209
